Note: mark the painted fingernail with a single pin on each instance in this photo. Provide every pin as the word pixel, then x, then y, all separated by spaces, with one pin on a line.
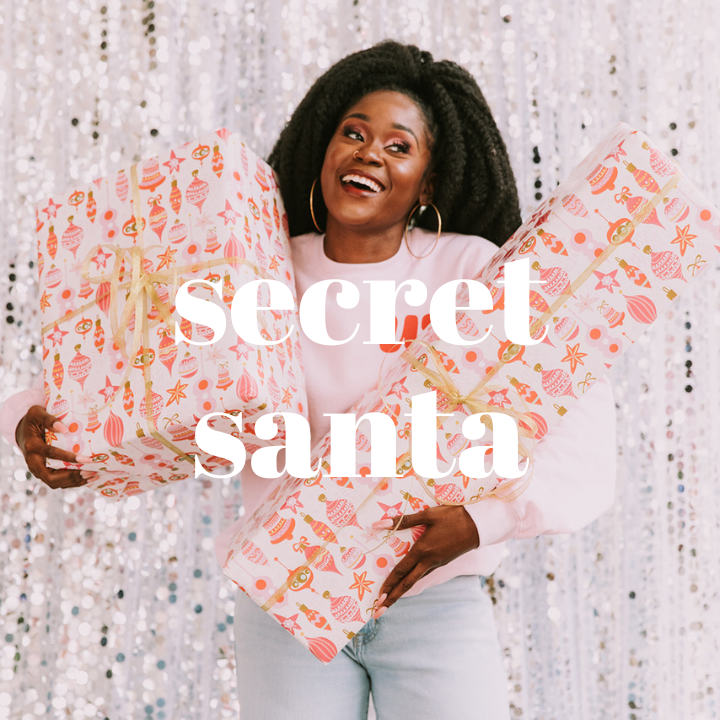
pixel 83 459
pixel 88 474
pixel 383 525
pixel 379 613
pixel 59 427
pixel 381 598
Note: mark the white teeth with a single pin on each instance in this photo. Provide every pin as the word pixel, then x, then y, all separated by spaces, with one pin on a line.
pixel 362 180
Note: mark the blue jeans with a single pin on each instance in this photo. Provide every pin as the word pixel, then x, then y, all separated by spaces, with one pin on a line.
pixel 433 656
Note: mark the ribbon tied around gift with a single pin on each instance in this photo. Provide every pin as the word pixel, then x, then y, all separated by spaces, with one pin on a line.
pixel 141 290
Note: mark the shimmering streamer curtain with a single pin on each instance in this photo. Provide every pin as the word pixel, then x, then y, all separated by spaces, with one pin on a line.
pixel 119 610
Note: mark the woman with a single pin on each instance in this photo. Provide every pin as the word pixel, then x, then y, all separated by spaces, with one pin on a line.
pixel 382 131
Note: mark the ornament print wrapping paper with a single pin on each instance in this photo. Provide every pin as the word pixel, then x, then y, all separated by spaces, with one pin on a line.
pixel 111 257
pixel 614 245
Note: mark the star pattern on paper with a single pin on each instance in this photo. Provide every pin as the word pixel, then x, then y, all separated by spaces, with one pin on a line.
pixel 274 263
pixel 390 511
pixel 607 280
pixel 293 503
pixel 85 398
pixel 51 209
pixel 228 214
pixel 167 258
pixel 100 258
pixel 204 220
pixel 109 390
pixel 57 336
pixel 574 356
pixel 683 238
pixel 173 164
pixel 45 300
pixel 499 398
pixel 289 623
pixel 398 388
pixel 585 302
pixel 241 350
pixel 216 355
pixel 176 393
pixel 615 155
pixel 361 584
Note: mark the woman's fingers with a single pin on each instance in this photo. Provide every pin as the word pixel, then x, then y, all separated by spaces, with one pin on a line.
pixel 402 523
pixel 449 533
pixel 61 478
pixel 404 575
pixel 30 435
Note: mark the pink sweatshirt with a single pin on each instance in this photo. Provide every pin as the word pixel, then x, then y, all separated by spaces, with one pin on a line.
pixel 574 465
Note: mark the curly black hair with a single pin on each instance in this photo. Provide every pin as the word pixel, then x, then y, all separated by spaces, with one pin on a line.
pixel 475 188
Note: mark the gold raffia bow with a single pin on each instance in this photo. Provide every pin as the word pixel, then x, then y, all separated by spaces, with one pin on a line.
pixel 474 401
pixel 473 396
pixel 141 288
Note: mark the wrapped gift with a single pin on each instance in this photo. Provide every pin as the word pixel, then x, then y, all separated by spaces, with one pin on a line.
pixel 112 256
pixel 614 245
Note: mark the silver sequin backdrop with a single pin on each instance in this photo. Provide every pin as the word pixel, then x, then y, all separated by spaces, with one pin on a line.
pixel 120 610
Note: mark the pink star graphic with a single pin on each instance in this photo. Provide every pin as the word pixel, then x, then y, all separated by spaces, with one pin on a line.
pixel 391 511
pixel 109 390
pixel 289 623
pixel 398 388
pixel 101 258
pixel 51 209
pixel 615 155
pixel 228 214
pixel 173 164
pixel 204 220
pixel 57 336
pixel 241 350
pixel 607 280
pixel 85 398
pixel 293 503
pixel 499 398
pixel 586 302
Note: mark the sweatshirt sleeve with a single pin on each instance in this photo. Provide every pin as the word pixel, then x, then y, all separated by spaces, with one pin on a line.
pixel 15 407
pixel 573 480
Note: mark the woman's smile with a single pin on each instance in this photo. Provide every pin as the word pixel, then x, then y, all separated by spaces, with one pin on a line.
pixel 376 169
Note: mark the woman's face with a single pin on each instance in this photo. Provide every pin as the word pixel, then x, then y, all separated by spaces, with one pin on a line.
pixel 376 165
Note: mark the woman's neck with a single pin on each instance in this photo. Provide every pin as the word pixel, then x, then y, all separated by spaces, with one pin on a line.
pixel 348 245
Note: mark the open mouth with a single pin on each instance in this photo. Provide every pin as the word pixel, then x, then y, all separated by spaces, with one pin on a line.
pixel 361 182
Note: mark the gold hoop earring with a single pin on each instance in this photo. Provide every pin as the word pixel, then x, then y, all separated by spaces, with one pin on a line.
pixel 312 209
pixel 407 225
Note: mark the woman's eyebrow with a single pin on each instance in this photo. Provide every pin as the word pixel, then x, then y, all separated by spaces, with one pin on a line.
pixel 396 126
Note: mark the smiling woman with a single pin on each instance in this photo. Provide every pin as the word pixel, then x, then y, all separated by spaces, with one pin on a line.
pixel 381 132
pixel 376 167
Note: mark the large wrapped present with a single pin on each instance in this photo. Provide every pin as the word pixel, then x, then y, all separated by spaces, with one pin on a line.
pixel 112 256
pixel 614 245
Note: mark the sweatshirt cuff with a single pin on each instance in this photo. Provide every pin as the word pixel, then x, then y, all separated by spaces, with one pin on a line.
pixel 15 408
pixel 496 521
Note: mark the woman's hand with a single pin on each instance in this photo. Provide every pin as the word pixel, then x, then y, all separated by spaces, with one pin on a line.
pixel 449 533
pixel 30 436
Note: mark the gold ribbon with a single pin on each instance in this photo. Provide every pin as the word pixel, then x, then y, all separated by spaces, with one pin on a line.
pixel 474 401
pixel 141 288
pixel 473 398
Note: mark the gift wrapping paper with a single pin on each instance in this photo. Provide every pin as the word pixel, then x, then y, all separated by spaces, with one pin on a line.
pixel 613 245
pixel 111 257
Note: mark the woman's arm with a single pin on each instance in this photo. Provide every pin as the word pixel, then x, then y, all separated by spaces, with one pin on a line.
pixel 573 479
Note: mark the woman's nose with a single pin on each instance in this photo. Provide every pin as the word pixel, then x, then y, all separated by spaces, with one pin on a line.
pixel 369 153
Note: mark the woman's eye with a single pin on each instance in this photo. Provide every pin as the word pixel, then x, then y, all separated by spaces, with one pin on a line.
pixel 399 147
pixel 353 133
